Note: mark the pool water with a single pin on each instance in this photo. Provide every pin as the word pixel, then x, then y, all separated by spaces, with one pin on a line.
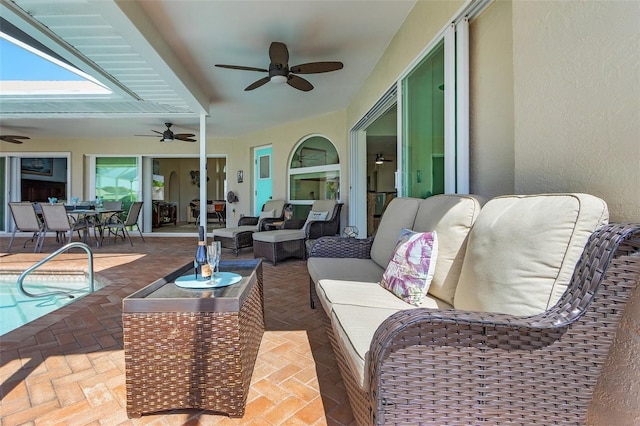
pixel 17 309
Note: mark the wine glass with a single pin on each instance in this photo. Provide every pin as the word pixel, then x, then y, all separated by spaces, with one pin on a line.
pixel 214 250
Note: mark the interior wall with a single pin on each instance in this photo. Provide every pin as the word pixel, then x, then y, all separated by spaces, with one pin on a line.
pixel 491 123
pixel 187 190
pixel 283 140
pixel 577 100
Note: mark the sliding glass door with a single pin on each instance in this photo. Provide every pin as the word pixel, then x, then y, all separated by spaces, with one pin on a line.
pixel 423 127
pixel 118 179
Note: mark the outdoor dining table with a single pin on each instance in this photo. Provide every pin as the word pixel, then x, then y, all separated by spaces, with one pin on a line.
pixel 91 216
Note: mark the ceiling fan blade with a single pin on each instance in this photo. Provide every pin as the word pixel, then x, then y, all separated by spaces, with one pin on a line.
pixel 184 138
pixel 257 84
pixel 155 131
pixel 316 67
pixel 13 138
pixel 278 53
pixel 183 135
pixel 299 83
pixel 240 67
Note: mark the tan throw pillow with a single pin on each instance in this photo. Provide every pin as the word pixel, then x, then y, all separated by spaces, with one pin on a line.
pixel 269 214
pixel 410 270
pixel 315 216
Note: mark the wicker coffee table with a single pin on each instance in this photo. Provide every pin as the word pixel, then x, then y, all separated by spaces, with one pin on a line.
pixel 193 348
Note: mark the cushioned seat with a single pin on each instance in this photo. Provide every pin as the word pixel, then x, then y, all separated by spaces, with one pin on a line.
pixel 279 244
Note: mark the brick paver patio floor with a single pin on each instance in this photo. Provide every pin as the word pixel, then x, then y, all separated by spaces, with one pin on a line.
pixel 68 367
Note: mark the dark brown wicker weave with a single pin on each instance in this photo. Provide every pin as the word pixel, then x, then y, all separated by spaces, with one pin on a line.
pixel 459 368
pixel 201 360
pixel 321 228
pixel 240 241
pixel 245 239
pixel 275 252
pixel 281 250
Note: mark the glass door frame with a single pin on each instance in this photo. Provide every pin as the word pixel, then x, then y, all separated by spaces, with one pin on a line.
pixel 12 179
pixel 456 39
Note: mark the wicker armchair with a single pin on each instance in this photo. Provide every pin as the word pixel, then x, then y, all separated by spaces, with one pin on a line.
pixel 458 367
pixel 295 235
pixel 240 236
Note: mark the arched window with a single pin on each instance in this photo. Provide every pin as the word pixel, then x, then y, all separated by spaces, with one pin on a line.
pixel 314 173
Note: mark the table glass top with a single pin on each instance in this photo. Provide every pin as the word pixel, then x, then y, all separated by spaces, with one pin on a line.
pixel 164 294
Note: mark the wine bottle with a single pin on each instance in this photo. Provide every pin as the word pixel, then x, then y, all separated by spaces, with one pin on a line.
pixel 201 255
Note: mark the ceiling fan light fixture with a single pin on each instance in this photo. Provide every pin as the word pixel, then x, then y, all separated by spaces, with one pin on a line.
pixel 279 79
pixel 379 159
pixel 167 136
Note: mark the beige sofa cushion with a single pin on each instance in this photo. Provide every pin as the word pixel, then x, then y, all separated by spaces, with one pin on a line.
pixel 279 235
pixel 349 269
pixel 233 232
pixel 276 205
pixel 400 213
pixel 522 251
pixel 357 293
pixel 371 294
pixel 324 206
pixel 451 216
pixel 354 335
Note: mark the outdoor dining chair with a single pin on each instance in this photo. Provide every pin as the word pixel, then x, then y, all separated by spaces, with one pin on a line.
pixel 116 224
pixel 26 219
pixel 57 220
pixel 111 211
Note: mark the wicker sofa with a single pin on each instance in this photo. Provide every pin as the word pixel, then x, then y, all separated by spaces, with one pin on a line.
pixel 525 299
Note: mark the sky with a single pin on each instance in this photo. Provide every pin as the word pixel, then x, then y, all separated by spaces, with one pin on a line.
pixel 18 64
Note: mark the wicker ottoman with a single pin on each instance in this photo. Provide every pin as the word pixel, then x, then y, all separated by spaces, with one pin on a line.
pixel 280 244
pixel 234 238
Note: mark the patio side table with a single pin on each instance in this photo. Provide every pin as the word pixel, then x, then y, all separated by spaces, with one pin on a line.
pixel 193 348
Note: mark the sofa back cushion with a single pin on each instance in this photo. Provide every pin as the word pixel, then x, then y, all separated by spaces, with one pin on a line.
pixel 276 205
pixel 400 213
pixel 324 206
pixel 522 251
pixel 451 216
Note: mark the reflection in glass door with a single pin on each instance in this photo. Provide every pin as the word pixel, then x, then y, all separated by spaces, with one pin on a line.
pixel 118 179
pixel 3 191
pixel 423 148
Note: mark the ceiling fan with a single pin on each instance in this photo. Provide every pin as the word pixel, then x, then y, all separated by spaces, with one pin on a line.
pixel 380 159
pixel 169 136
pixel 280 71
pixel 13 138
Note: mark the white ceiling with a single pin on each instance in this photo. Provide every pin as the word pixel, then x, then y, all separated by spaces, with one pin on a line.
pixel 160 55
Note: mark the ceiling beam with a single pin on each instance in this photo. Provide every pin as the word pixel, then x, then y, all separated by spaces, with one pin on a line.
pixel 137 29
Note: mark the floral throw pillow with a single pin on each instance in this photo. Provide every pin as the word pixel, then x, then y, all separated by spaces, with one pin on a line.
pixel 410 270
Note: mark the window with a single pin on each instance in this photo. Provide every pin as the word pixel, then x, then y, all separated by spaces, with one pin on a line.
pixel 314 174
pixel 118 179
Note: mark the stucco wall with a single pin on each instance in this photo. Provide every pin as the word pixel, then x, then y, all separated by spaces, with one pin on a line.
pixel 425 20
pixel 283 139
pixel 577 100
pixel 491 127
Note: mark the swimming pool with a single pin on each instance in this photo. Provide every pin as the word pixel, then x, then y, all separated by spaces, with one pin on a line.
pixel 17 309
